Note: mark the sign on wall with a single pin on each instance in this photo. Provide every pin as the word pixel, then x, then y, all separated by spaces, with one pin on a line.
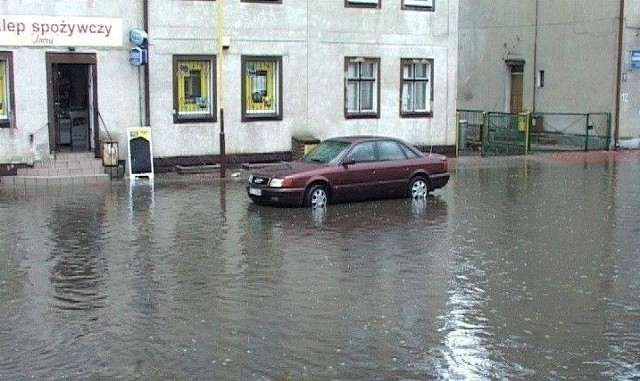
pixel 635 60
pixel 140 152
pixel 33 30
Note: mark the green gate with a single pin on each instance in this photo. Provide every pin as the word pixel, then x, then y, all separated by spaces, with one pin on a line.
pixel 505 134
pixel 492 133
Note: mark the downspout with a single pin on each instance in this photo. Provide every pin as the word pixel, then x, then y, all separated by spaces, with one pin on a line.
pixel 145 26
pixel 220 86
pixel 616 127
pixel 535 58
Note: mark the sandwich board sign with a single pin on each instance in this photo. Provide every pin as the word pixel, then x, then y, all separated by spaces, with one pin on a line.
pixel 140 152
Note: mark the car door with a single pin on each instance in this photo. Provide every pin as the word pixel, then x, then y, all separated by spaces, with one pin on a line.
pixel 357 177
pixel 393 168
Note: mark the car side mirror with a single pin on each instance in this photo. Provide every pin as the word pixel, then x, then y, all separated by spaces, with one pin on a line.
pixel 348 161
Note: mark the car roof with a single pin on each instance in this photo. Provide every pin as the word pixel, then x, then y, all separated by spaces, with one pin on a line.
pixel 358 138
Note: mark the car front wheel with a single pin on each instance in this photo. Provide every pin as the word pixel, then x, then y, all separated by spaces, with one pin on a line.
pixel 418 187
pixel 316 196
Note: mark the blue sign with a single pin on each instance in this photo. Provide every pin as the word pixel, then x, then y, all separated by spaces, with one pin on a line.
pixel 635 60
pixel 138 37
pixel 138 56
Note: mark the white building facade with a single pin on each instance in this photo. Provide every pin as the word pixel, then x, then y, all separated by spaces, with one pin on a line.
pixel 284 68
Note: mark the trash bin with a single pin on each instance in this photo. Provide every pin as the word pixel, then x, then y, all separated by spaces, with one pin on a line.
pixel 110 154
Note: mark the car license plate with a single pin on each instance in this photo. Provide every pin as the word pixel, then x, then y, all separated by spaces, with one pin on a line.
pixel 255 191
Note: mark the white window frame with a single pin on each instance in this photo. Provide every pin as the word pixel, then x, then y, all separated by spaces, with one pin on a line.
pixel 358 79
pixel 426 4
pixel 364 3
pixel 425 83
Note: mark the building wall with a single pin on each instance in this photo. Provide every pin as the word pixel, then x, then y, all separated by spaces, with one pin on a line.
pixel 118 96
pixel 574 42
pixel 312 37
pixel 629 96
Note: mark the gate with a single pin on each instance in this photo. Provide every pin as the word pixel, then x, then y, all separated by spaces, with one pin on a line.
pixel 493 133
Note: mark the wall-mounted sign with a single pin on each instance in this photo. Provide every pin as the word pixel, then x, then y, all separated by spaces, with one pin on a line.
pixel 140 152
pixel 138 56
pixel 635 60
pixel 33 30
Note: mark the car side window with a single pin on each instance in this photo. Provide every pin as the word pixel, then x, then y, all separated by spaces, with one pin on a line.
pixel 362 152
pixel 390 150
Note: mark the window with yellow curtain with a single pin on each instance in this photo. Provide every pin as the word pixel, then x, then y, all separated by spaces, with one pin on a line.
pixel 261 88
pixel 6 90
pixel 3 92
pixel 194 91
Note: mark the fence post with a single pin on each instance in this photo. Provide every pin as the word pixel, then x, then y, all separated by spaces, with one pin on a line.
pixel 586 135
pixel 457 136
pixel 483 133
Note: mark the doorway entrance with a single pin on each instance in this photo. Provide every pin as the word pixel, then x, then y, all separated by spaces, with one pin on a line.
pixel 72 100
pixel 516 71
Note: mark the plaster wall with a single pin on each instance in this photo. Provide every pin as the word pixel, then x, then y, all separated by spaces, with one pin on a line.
pixel 118 95
pixel 629 100
pixel 574 42
pixel 313 38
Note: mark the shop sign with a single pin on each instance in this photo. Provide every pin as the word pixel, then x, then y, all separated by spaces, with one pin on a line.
pixel 33 30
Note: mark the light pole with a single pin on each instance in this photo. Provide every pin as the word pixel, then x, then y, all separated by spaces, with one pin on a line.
pixel 220 88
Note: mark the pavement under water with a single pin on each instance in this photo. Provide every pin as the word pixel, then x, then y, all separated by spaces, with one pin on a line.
pixel 520 268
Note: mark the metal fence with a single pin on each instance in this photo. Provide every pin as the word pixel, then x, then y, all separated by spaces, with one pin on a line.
pixel 495 133
pixel 570 132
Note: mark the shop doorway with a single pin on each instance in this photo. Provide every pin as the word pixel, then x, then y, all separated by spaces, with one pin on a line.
pixel 72 102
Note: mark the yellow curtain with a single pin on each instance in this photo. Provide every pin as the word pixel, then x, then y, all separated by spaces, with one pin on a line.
pixel 260 86
pixel 193 87
pixel 3 93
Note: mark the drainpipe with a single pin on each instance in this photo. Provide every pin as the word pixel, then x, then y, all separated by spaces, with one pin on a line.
pixel 145 26
pixel 535 58
pixel 219 83
pixel 616 130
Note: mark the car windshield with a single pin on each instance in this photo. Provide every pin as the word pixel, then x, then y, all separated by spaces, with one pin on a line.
pixel 326 152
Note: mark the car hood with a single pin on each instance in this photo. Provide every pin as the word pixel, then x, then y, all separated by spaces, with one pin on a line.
pixel 287 168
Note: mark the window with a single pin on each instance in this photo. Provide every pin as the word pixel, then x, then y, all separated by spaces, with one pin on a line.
pixel 261 88
pixel 194 90
pixel 363 3
pixel 390 150
pixel 362 87
pixel 362 152
pixel 419 5
pixel 417 89
pixel 6 89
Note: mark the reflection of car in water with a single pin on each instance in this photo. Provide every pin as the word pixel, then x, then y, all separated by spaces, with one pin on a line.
pixel 350 169
pixel 389 215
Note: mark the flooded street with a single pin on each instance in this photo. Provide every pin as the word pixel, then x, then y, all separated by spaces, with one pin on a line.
pixel 520 268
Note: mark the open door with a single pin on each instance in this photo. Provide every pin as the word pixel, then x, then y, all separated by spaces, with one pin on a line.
pixel 72 102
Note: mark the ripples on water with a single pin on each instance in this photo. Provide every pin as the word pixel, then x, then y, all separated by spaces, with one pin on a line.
pixel 499 276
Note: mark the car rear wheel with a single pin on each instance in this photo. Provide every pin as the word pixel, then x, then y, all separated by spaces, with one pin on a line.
pixel 418 187
pixel 316 196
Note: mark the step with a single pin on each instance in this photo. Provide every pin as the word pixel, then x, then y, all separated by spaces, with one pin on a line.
pixel 9 182
pixel 61 171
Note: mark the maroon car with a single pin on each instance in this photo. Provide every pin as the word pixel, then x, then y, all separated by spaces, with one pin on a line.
pixel 350 169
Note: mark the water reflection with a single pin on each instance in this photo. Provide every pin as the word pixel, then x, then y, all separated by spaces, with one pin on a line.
pixel 514 270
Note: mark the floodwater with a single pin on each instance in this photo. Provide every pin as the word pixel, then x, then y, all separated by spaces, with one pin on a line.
pixel 520 268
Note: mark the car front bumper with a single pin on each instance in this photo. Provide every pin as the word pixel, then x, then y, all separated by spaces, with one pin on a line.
pixel 275 196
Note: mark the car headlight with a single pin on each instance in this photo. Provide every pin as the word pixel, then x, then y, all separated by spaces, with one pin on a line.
pixel 250 179
pixel 276 182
